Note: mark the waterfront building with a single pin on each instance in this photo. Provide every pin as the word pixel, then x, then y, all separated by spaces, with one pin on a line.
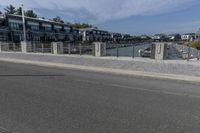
pixel 37 29
pixel 188 36
pixel 174 37
pixel 160 37
pixel 116 37
pixel 46 31
pixel 198 35
pixel 94 34
pixel 144 37
pixel 126 37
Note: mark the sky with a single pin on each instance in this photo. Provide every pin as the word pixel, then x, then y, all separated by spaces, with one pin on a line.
pixel 135 17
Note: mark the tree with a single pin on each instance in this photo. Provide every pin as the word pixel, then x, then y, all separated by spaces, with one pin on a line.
pixel 196 45
pixel 19 11
pixel 10 9
pixel 68 23
pixel 81 26
pixel 30 13
pixel 0 12
pixel 58 19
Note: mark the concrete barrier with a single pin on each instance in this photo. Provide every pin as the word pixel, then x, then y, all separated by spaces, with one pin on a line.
pixel 26 47
pixel 159 51
pixel 57 48
pixel 100 49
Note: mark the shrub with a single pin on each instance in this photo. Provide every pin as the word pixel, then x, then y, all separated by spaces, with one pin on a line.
pixel 196 45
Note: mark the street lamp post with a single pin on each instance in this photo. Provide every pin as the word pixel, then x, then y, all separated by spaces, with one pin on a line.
pixel 23 20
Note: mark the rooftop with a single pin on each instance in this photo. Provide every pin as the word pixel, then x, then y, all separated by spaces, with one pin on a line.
pixel 36 19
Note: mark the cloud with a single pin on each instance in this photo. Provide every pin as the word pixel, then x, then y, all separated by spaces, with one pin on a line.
pixel 184 27
pixel 105 10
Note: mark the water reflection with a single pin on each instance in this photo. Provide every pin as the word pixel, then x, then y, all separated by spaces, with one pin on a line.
pixel 127 51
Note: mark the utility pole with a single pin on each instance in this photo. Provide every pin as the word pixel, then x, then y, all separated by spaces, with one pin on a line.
pixel 24 25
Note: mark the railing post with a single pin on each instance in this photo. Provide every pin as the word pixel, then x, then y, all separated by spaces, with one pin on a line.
pixel 42 47
pixel 34 47
pixel 189 50
pixel 14 49
pixel 117 51
pixel 57 47
pixel 25 47
pixel 69 48
pixel 133 51
pixel 100 49
pixel 93 49
pixel 80 49
pixel 1 47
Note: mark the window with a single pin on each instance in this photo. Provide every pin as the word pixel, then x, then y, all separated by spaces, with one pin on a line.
pixel 34 27
pixel 15 26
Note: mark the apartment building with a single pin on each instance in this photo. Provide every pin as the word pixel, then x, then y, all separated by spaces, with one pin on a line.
pixel 94 34
pixel 188 36
pixel 37 29
pixel 198 35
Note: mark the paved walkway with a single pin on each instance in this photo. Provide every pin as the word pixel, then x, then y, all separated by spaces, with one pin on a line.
pixel 179 67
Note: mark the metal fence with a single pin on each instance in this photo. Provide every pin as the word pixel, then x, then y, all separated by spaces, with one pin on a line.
pixel 176 51
pixel 126 50
pixel 38 47
pixel 81 49
pixel 41 48
pixel 9 46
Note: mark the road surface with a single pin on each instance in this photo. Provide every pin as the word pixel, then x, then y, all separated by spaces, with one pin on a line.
pixel 37 99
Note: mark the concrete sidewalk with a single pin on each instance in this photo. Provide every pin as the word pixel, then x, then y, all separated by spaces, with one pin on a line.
pixel 170 69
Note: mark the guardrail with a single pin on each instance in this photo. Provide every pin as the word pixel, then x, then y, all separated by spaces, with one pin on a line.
pixel 175 51
pixel 183 52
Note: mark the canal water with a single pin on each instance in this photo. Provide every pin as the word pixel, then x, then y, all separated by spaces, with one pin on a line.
pixel 127 51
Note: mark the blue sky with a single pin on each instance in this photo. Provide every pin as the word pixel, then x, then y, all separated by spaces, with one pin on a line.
pixel 127 16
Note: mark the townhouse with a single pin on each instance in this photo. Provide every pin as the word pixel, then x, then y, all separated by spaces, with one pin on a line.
pixel 37 30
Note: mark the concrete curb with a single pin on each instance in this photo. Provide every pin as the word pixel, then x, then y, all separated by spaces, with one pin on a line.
pixel 138 59
pixel 106 70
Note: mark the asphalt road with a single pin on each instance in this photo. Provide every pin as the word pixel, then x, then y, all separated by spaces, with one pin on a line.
pixel 37 99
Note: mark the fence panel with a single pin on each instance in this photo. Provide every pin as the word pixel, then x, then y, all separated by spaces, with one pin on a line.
pixel 126 50
pixel 41 47
pixel 184 52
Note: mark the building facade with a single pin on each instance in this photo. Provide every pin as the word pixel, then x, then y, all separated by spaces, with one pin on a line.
pixel 198 35
pixel 43 30
pixel 37 30
pixel 174 37
pixel 188 37
pixel 160 37
pixel 94 34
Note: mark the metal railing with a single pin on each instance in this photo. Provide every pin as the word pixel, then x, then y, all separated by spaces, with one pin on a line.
pixel 10 46
pixel 126 50
pixel 175 51
pixel 182 52
pixel 41 48
pixel 81 49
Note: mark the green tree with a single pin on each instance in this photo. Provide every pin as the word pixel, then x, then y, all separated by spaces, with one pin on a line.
pixel 10 9
pixel 30 13
pixel 81 25
pixel 58 19
pixel 68 23
pixel 19 11
pixel 196 45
